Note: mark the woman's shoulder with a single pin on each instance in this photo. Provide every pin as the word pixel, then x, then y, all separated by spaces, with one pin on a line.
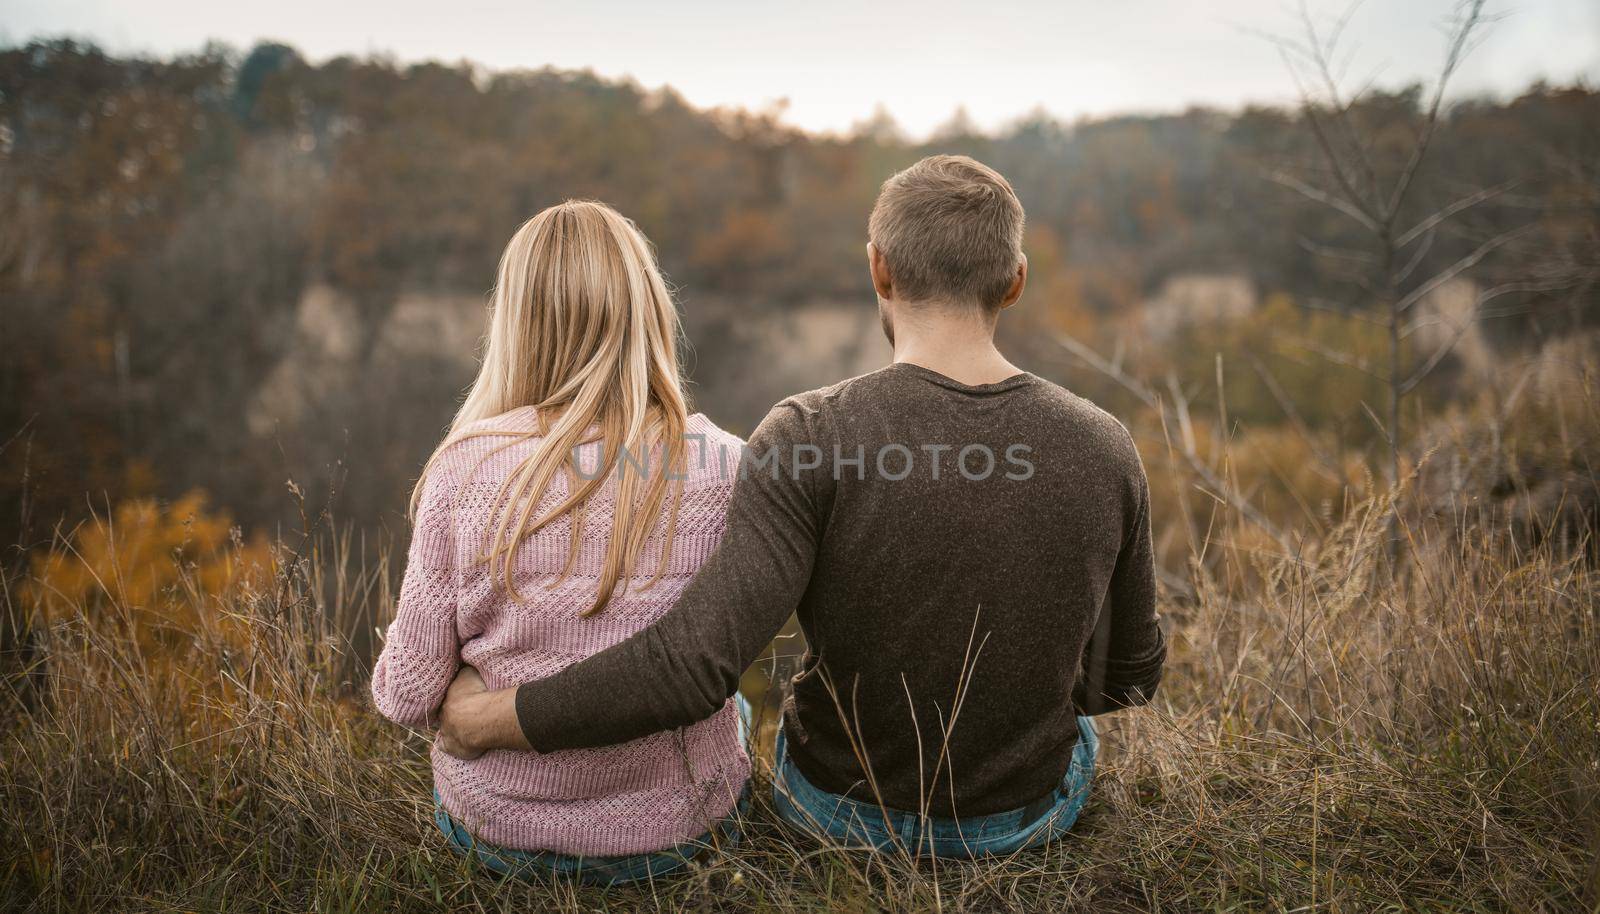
pixel 463 454
pixel 712 451
pixel 515 422
pixel 488 434
pixel 701 425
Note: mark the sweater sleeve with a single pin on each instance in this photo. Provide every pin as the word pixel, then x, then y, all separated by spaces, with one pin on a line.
pixel 685 666
pixel 1123 660
pixel 421 650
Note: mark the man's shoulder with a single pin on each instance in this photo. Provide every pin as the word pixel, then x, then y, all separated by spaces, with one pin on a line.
pixel 820 398
pixel 800 413
pixel 1082 419
pixel 1077 409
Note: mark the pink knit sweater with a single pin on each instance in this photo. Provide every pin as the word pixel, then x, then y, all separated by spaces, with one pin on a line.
pixel 631 798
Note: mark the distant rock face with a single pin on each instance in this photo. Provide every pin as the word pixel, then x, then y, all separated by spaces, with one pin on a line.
pixel 331 346
pixel 328 323
pixel 742 359
pixel 1565 369
pixel 327 338
pixel 441 326
pixel 844 340
pixel 1448 317
pixel 1197 298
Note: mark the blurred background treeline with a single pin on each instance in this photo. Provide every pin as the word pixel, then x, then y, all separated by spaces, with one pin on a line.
pixel 229 270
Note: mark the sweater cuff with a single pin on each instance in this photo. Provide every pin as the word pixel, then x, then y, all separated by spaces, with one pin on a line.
pixel 539 716
pixel 414 670
pixel 1124 683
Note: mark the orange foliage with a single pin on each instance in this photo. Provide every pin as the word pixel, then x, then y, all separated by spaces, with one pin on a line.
pixel 158 571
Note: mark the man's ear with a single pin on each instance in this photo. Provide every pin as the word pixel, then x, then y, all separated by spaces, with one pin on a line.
pixel 1017 284
pixel 881 280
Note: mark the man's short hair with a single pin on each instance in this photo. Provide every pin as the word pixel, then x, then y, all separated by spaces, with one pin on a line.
pixel 950 228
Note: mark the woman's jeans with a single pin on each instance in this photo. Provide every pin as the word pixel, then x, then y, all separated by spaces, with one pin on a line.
pixel 854 823
pixel 601 871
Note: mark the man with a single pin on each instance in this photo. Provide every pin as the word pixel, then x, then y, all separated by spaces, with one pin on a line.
pixel 967 547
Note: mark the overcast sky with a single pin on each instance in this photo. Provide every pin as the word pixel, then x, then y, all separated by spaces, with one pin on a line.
pixel 834 62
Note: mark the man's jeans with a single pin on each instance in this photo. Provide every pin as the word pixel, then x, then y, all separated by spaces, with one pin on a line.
pixel 855 823
pixel 600 871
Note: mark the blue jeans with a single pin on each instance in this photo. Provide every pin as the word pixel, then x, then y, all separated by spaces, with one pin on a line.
pixel 855 823
pixel 600 871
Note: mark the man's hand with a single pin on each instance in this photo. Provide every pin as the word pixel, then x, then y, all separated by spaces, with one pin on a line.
pixel 474 720
pixel 458 705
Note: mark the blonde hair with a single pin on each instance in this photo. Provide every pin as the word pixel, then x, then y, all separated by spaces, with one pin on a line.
pixel 583 329
pixel 950 228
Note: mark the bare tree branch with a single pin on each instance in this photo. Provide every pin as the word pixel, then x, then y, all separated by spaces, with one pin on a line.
pixel 1488 295
pixel 1458 48
pixel 1219 487
pixel 1326 199
pixel 1416 258
pixel 1332 251
pixel 1445 348
pixel 1322 52
pixel 1180 407
pixel 1329 464
pixel 1465 203
pixel 1457 268
pixel 1340 358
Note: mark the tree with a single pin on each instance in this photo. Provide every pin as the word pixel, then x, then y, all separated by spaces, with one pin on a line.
pixel 1370 179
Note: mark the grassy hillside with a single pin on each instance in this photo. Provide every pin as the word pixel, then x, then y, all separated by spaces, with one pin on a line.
pixel 186 728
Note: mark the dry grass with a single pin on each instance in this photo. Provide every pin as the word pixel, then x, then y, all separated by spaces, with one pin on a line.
pixel 1329 737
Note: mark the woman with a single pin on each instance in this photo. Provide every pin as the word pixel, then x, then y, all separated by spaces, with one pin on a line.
pixel 567 508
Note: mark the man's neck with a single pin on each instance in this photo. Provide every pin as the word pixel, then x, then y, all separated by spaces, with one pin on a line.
pixel 958 346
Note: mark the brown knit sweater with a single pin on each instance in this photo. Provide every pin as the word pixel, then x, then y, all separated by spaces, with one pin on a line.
pixel 971 566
